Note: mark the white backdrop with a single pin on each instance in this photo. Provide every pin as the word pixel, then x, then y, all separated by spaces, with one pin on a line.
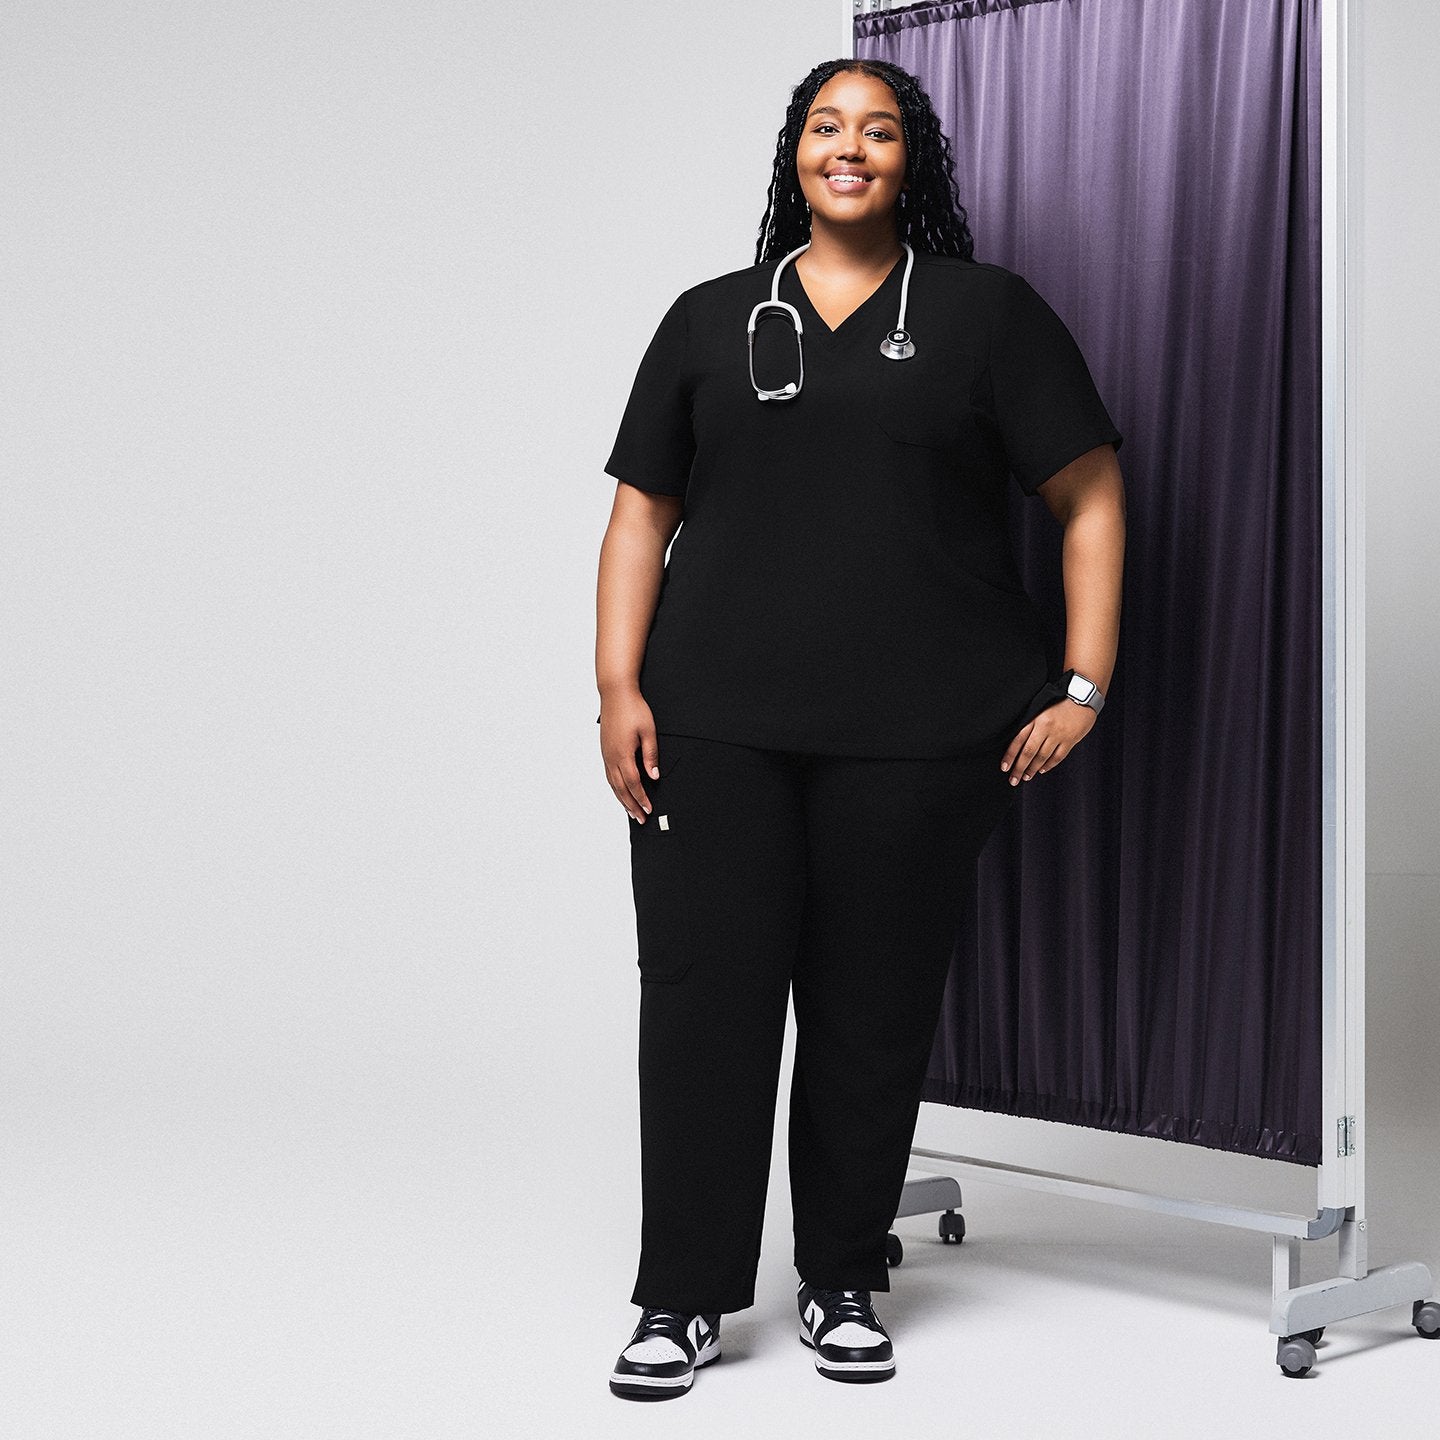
pixel 319 985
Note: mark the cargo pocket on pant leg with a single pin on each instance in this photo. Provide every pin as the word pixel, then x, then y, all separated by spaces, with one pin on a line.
pixel 663 930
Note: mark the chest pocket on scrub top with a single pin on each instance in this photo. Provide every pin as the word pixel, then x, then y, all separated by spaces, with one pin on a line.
pixel 925 401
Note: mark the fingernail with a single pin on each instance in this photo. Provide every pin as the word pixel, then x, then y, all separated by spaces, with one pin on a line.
pixel 1014 779
pixel 654 772
pixel 1004 764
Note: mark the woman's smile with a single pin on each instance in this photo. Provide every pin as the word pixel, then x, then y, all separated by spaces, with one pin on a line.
pixel 847 182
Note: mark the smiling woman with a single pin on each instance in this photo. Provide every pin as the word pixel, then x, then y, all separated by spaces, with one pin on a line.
pixel 856 183
pixel 842 651
pixel 851 189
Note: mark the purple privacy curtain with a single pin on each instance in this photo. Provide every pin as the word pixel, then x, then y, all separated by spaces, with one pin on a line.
pixel 1145 956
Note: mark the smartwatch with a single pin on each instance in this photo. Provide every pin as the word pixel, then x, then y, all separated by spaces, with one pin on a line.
pixel 1082 691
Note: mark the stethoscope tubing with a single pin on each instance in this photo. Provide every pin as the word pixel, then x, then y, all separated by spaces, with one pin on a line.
pixel 897 344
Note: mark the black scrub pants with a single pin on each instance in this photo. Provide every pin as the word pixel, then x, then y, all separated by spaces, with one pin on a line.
pixel 759 872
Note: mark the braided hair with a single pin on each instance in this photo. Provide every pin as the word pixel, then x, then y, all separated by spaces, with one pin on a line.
pixel 929 215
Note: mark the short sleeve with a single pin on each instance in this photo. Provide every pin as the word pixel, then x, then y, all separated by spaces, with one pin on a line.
pixel 1047 408
pixel 656 441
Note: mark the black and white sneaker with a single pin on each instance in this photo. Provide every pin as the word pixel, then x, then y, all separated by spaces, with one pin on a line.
pixel 664 1353
pixel 845 1333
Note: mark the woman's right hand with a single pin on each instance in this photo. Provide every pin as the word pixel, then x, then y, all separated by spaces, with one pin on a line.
pixel 626 725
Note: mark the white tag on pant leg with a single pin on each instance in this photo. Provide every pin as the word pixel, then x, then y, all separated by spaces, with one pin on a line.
pixel 664 822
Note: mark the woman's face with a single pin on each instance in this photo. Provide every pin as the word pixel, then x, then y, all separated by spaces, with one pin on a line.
pixel 853 128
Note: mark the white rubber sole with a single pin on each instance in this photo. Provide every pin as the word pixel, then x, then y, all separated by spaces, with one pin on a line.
pixel 847 1367
pixel 707 1353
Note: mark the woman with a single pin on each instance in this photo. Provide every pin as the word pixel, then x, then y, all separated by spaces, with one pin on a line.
pixel 818 711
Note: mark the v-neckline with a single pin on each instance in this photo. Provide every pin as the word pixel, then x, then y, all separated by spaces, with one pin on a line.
pixel 845 328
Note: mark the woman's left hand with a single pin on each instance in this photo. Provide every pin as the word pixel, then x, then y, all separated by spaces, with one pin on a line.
pixel 1047 740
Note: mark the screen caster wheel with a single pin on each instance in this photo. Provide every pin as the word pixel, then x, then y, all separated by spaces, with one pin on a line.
pixel 1295 1354
pixel 894 1250
pixel 1425 1317
pixel 952 1227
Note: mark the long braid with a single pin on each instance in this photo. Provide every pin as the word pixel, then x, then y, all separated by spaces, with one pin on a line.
pixel 930 216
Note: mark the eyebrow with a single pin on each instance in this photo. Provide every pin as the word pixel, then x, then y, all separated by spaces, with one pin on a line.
pixel 869 114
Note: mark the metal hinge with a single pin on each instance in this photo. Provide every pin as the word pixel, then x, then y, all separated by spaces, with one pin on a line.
pixel 1347 1135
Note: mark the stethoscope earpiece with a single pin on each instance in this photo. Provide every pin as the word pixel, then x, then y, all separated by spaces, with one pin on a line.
pixel 791 390
pixel 897 345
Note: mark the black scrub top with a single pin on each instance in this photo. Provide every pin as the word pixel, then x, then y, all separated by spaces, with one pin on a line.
pixel 843 581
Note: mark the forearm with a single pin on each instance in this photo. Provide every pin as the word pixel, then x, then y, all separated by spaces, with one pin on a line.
pixel 632 563
pixel 1092 568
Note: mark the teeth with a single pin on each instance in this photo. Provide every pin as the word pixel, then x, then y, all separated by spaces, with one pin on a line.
pixel 849 179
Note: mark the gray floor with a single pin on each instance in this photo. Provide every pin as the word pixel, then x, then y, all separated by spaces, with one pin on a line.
pixel 350 1279
pixel 300 1228
pixel 1053 1317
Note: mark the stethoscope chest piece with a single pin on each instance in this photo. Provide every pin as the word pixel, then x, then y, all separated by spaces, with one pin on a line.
pixel 897 345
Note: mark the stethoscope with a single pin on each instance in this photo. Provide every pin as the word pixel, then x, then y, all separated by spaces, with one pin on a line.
pixel 897 345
